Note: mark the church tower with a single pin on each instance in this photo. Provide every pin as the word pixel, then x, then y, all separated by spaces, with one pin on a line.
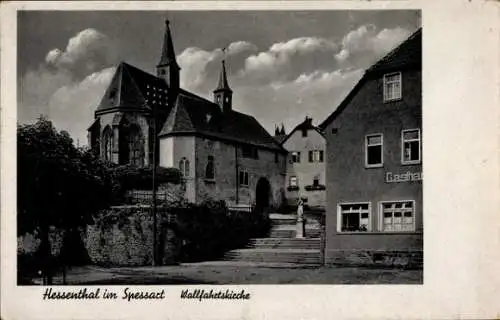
pixel 167 68
pixel 223 94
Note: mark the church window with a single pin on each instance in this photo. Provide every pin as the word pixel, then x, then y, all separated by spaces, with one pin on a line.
pixel 210 169
pixel 136 147
pixel 107 143
pixel 184 167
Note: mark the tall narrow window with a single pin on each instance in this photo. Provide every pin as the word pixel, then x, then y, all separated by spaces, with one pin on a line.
pixel 304 133
pixel 184 167
pixel 296 157
pixel 392 86
pixel 243 178
pixel 136 146
pixel 107 137
pixel 293 181
pixel 410 146
pixel 210 169
pixel 374 150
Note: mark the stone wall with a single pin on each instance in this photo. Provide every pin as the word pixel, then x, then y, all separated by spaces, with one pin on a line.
pixel 228 162
pixel 124 237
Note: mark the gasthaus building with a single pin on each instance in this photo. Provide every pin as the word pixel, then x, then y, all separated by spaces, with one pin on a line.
pixel 374 189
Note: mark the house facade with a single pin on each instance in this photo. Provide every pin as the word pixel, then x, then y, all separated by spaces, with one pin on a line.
pixel 374 190
pixel 221 153
pixel 305 169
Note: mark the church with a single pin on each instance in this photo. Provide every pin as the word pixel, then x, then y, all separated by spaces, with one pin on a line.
pixel 221 153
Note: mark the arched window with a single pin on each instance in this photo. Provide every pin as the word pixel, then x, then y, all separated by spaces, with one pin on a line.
pixel 136 146
pixel 107 138
pixel 184 167
pixel 131 146
pixel 210 169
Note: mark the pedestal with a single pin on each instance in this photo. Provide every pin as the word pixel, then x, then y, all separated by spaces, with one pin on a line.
pixel 300 228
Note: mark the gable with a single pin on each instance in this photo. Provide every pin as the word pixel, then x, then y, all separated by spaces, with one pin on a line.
pixel 296 142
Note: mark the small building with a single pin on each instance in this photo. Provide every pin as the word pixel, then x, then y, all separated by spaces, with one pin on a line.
pixel 305 169
pixel 374 162
pixel 221 153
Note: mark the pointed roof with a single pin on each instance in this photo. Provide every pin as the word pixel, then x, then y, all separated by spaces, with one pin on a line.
pixel 304 125
pixel 167 52
pixel 178 120
pixel 223 83
pixel 195 115
pixel 132 88
pixel 407 55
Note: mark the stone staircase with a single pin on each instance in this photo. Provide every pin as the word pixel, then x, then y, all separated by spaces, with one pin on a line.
pixel 281 246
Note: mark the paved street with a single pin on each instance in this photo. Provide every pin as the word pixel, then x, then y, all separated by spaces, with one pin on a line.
pixel 230 273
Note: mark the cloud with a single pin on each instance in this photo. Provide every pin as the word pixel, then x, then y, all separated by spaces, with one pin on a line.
pixel 315 94
pixel 68 86
pixel 196 64
pixel 239 47
pixel 86 52
pixel 364 45
pixel 281 57
pixel 72 106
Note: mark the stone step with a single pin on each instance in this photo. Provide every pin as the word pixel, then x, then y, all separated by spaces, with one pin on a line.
pixel 299 256
pixel 282 243
pixel 290 231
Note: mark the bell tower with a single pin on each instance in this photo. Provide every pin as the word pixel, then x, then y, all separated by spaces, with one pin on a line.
pixel 167 68
pixel 223 95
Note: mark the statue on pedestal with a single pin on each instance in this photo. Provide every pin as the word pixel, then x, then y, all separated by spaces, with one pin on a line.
pixel 300 220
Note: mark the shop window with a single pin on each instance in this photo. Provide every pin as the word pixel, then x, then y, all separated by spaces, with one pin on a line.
pixel 243 178
pixel 392 86
pixel 210 169
pixel 184 167
pixel 398 216
pixel 410 140
pixel 374 150
pixel 296 157
pixel 354 217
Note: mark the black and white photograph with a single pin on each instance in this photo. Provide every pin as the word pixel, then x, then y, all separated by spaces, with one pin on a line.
pixel 219 147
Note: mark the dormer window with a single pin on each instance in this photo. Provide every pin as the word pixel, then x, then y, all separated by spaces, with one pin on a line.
pixel 392 86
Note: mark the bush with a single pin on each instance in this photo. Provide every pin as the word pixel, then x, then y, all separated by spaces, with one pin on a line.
pixel 209 230
pixel 128 177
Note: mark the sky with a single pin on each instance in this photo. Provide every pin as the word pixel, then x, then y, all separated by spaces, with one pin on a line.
pixel 282 65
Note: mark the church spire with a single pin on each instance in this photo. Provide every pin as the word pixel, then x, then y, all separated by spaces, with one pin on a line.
pixel 223 94
pixel 167 68
pixel 223 84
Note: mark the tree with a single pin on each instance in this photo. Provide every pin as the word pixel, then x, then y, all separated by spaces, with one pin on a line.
pixel 59 185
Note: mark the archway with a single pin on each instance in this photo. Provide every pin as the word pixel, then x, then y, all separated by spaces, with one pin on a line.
pixel 263 194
